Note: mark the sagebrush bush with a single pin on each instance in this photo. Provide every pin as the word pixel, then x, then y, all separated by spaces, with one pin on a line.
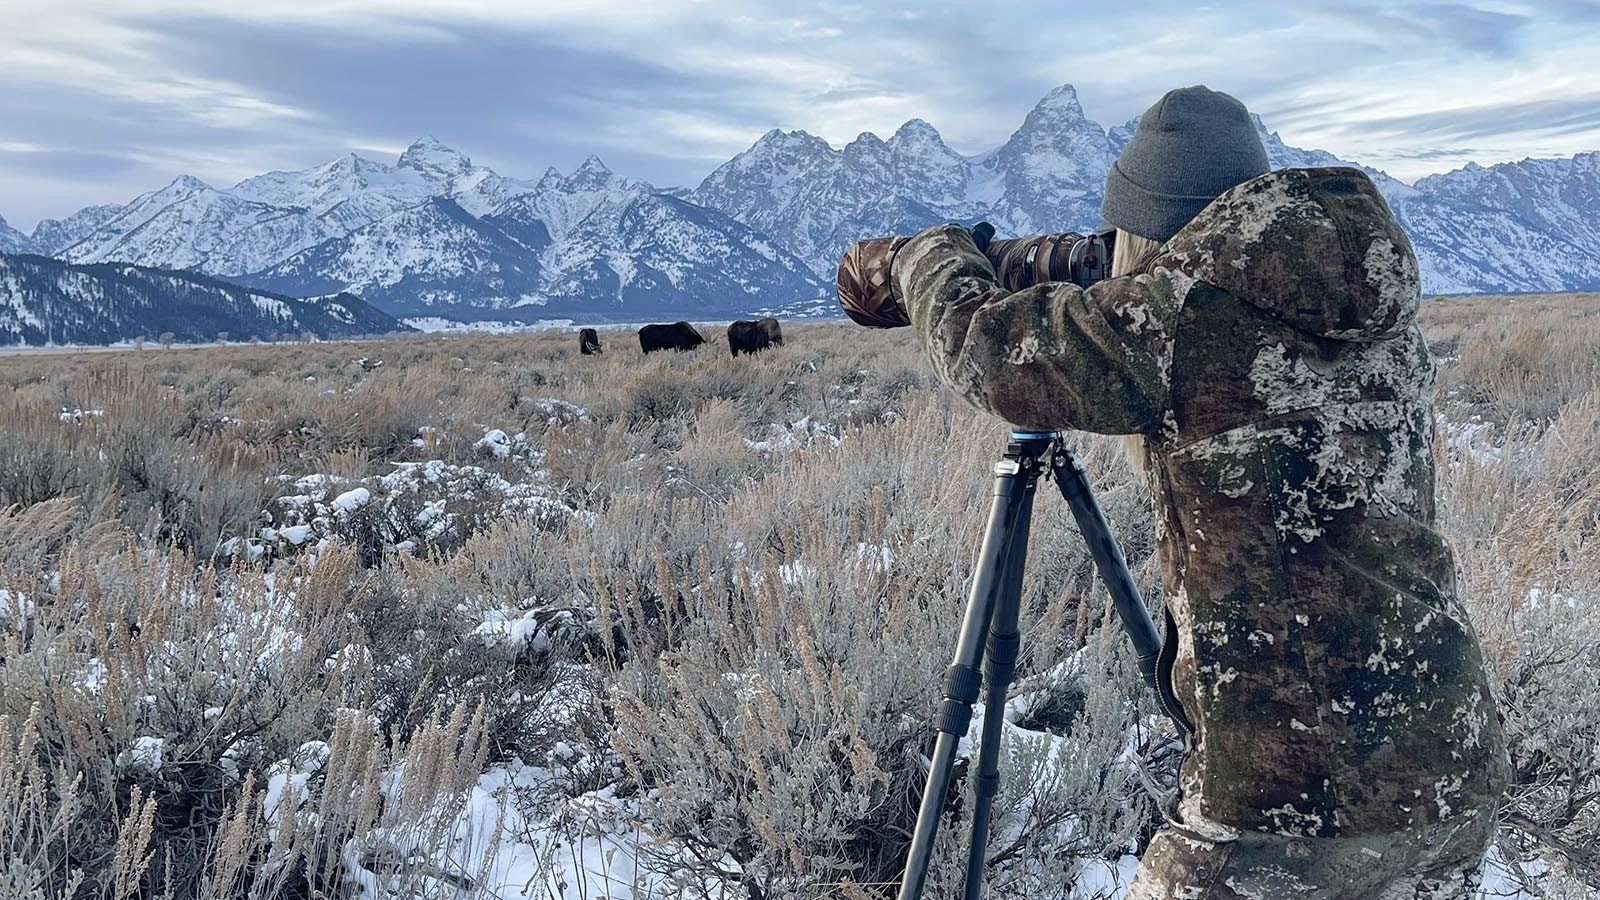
pixel 713 624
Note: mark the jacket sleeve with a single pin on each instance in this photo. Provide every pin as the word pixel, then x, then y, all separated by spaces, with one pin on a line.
pixel 1053 356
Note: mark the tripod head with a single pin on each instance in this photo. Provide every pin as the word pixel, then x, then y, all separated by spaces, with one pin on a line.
pixel 1027 450
pixel 1029 437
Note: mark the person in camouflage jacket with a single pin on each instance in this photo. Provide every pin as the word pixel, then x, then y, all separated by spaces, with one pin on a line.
pixel 1344 739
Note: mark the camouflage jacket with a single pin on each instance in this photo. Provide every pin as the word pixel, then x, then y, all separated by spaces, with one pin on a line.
pixel 1269 358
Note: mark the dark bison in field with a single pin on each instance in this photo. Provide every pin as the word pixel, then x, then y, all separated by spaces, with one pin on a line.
pixel 745 336
pixel 588 342
pixel 677 336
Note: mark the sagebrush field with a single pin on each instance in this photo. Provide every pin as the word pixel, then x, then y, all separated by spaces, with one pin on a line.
pixel 482 617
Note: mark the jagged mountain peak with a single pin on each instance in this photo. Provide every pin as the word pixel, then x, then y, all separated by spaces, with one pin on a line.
pixel 350 162
pixel 354 165
pixel 1057 130
pixel 52 236
pixel 591 177
pixel 429 155
pixel 187 184
pixel 430 144
pixel 1060 103
pixel 916 130
pixel 1119 136
pixel 798 139
pixel 592 173
pixel 865 144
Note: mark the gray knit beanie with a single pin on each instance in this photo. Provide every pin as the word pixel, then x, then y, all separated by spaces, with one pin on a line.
pixel 1191 146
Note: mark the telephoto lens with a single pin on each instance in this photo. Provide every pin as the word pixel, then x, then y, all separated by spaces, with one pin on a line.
pixel 867 294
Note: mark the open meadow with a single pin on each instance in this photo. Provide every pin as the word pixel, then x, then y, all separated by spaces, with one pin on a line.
pixel 481 617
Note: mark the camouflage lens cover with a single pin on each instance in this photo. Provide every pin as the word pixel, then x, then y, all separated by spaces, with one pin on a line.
pixel 865 290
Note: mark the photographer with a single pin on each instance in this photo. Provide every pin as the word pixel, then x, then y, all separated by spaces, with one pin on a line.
pixel 1257 339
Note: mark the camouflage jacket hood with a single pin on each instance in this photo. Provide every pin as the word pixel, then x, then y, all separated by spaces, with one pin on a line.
pixel 1268 355
pixel 1337 265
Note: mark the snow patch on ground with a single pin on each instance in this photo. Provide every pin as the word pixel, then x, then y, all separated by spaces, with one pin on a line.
pixel 795 436
pixel 415 504
pixel 145 754
pixel 442 324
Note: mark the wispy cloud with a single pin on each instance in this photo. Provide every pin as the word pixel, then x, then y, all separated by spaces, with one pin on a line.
pixel 107 98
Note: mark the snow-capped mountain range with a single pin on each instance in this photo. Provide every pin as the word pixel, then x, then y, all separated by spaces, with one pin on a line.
pixel 1527 226
pixel 47 301
pixel 435 234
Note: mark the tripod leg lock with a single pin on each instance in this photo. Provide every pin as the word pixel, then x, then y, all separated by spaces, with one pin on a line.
pixel 961 685
pixel 1000 660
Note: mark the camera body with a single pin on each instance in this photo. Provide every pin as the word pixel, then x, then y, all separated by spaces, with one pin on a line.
pixel 866 292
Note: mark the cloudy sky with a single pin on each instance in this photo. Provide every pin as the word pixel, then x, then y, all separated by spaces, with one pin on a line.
pixel 103 99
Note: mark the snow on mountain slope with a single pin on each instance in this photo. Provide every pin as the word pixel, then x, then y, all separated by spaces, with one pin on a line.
pixel 55 235
pixel 348 179
pixel 1051 170
pixel 14 241
pixel 641 253
pixel 591 243
pixel 563 202
pixel 264 220
pixel 476 189
pixel 765 187
pixel 190 225
pixel 47 301
pixel 1532 225
pixel 815 200
pixel 434 255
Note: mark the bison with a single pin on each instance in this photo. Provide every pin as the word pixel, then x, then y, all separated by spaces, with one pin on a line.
pixel 770 326
pixel 745 336
pixel 677 336
pixel 588 342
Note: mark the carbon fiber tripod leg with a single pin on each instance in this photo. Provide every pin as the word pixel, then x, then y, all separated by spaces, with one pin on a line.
pixel 1109 561
pixel 1015 478
pixel 999 665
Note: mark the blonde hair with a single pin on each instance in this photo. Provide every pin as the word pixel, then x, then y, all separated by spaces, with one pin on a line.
pixel 1130 251
pixel 1127 256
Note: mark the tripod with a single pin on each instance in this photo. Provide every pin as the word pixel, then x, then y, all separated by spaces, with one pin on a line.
pixel 993 607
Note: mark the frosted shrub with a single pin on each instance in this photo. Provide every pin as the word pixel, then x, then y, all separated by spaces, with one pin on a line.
pixel 777 683
pixel 167 683
pixel 1525 521
pixel 38 461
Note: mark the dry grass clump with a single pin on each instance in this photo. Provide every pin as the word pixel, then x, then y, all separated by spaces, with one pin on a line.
pixel 1515 360
pixel 269 614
